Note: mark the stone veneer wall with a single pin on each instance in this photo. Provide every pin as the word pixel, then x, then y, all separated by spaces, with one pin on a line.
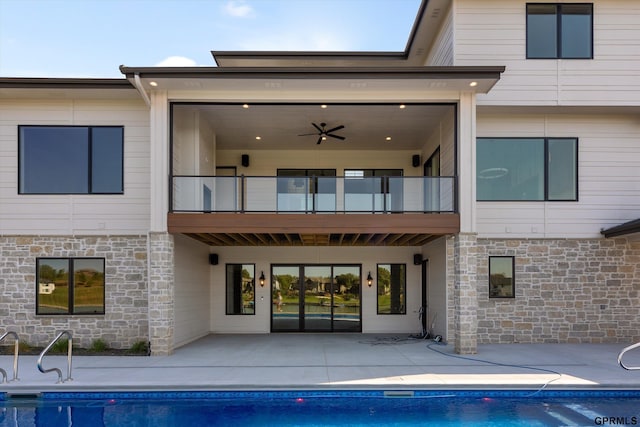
pixel 126 302
pixel 161 293
pixel 567 291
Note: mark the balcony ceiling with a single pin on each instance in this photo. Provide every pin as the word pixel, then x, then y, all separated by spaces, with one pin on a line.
pixel 366 126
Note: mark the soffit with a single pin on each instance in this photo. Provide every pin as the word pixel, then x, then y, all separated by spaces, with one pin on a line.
pixel 366 126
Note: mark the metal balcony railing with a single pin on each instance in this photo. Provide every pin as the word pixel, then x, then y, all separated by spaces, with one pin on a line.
pixel 313 194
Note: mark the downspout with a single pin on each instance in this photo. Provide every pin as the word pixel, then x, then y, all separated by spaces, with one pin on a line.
pixel 138 84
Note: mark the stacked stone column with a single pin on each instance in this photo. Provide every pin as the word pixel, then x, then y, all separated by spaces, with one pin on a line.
pixel 161 293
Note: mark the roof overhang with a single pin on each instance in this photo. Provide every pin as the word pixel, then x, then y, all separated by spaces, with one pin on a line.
pixel 455 78
pixel 625 229
pixel 66 88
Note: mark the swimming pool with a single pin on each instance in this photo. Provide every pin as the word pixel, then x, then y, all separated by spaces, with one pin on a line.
pixel 324 408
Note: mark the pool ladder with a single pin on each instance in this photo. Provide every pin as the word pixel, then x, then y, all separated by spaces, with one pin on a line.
pixel 15 357
pixel 69 353
pixel 624 350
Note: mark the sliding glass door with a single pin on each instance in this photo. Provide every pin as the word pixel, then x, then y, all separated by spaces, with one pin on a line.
pixel 315 298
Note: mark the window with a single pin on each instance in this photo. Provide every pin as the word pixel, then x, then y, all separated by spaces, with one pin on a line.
pixel 501 279
pixel 241 284
pixel 514 169
pixel 392 282
pixel 70 286
pixel 70 159
pixel 559 31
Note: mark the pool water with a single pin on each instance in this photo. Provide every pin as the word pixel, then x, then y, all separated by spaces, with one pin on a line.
pixel 324 408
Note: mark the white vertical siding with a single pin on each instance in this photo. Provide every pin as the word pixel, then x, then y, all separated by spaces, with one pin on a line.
pixel 441 52
pixel 192 285
pixel 493 32
pixel 76 214
pixel 436 253
pixel 267 162
pixel 368 257
pixel 608 168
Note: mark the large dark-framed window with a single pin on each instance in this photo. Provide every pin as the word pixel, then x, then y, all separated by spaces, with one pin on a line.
pixel 392 289
pixel 240 289
pixel 527 169
pixel 559 31
pixel 502 277
pixel 70 286
pixel 70 159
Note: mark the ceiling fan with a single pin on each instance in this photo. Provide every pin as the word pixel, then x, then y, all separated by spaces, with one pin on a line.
pixel 323 132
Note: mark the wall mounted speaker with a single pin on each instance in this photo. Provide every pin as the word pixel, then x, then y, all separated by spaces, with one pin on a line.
pixel 245 160
pixel 417 259
pixel 213 259
pixel 415 160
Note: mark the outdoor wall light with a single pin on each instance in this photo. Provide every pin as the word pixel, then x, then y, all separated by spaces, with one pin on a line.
pixel 262 279
pixel 369 279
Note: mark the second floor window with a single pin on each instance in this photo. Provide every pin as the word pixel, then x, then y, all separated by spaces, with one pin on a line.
pixel 519 169
pixel 559 31
pixel 70 159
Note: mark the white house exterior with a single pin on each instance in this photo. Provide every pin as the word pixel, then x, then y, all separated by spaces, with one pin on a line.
pixel 481 220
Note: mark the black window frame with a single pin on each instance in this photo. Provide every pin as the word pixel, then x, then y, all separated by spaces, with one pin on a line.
pixel 89 164
pixel 402 310
pixel 71 287
pixel 546 170
pixel 558 14
pixel 227 295
pixel 513 278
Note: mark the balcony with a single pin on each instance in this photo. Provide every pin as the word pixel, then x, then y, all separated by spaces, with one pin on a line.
pixel 263 211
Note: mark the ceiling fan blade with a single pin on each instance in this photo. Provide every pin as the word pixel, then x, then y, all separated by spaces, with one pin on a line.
pixel 319 141
pixel 336 136
pixel 317 127
pixel 307 134
pixel 335 129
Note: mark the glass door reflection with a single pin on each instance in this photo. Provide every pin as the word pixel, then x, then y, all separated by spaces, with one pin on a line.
pixel 346 299
pixel 285 296
pixel 318 300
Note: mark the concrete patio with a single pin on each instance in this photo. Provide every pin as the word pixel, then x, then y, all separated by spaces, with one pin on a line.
pixel 348 361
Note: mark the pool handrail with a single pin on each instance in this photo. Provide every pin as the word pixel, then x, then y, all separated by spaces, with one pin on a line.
pixel 15 357
pixel 69 354
pixel 624 350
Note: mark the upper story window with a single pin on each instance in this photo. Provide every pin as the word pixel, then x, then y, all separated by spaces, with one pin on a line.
pixel 70 159
pixel 515 169
pixel 560 31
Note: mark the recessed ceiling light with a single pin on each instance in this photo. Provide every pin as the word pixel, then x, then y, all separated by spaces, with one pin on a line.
pixel 473 84
pixel 154 84
pixel 402 106
pixel 258 138
pixel 323 106
pixel 388 138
